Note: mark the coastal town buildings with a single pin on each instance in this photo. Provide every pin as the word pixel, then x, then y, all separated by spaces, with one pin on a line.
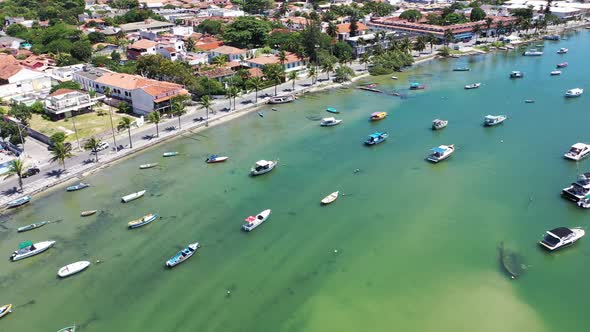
pixel 232 53
pixel 292 61
pixel 65 103
pixel 16 79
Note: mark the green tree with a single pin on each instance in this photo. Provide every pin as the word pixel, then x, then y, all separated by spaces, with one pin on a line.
pixel 477 14
pixel 292 76
pixel 420 44
pixel 60 153
pixel 353 26
pixel 17 167
pixel 328 65
pixel 96 37
pixel 220 60
pixel 125 123
pixel 232 92
pixel 206 103
pixel 92 144
pixel 449 36
pixel 411 15
pixel 155 118
pixel 255 83
pixel 274 73
pixel 81 50
pixel 365 58
pixel 21 112
pixel 312 73
pixel 58 137
pixel 343 73
pixel 332 30
pixel 257 6
pixel 178 105
pixel 212 27
pixel 115 56
pixel 124 107
pixel 444 51
pixel 247 32
pixel 189 44
pixel 476 31
pixel 282 57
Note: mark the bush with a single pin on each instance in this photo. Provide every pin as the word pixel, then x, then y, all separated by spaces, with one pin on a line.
pixel 58 137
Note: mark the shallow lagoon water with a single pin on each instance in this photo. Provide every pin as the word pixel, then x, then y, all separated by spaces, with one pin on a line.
pixel 410 246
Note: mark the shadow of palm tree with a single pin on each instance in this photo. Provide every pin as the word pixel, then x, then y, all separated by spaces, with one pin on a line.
pixel 148 137
pixel 199 119
pixel 172 128
pixel 55 173
pixel 88 161
pixel 11 191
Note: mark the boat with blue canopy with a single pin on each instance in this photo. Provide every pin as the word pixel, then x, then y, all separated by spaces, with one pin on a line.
pixel 376 138
pixel 79 186
pixel 417 86
pixel 441 153
pixel 183 255
pixel 18 202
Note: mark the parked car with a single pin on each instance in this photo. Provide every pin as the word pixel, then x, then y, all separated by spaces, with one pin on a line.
pixel 30 172
pixel 102 146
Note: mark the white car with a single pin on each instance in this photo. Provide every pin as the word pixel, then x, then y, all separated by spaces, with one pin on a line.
pixel 102 146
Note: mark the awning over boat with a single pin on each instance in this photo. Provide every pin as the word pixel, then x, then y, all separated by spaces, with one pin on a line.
pixel 25 244
pixel 262 163
pixel 561 232
pixel 440 149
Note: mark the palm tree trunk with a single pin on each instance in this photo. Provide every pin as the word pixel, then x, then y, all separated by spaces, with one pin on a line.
pixel 112 127
pixel 76 132
pixel 207 116
pixel 96 155
pixel 276 88
pixel 256 96
pixel 157 130
pixel 20 182
pixel 129 133
pixel 179 125
pixel 293 89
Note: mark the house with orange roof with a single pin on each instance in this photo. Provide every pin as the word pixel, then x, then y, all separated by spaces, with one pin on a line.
pixel 17 80
pixel 140 48
pixel 232 53
pixel 344 30
pixel 295 23
pixel 143 94
pixel 291 63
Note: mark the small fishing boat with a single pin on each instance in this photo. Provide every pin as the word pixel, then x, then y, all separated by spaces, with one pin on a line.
pixel 552 37
pixel 274 109
pixel 578 151
pixel 330 198
pixel 254 221
pixel 441 153
pixel 68 329
pixel 170 154
pixel 5 310
pixel 561 236
pixel 263 167
pixel 79 186
pixel 529 101
pixel 281 99
pixel 371 85
pixel 212 159
pixel 562 50
pixel 417 86
pixel 562 65
pixel 329 122
pixel 18 202
pixel 555 72
pixel 146 166
pixel 510 47
pixel 134 196
pixel 461 69
pixel 142 221
pixel 28 249
pixel 332 110
pixel 572 93
pixel 472 86
pixel 183 255
pixel 439 124
pixel 376 116
pixel 532 52
pixel 376 138
pixel 87 213
pixel 516 74
pixel 32 226
pixel 394 77
pixel 260 114
pixel 73 268
pixel 503 48
pixel 492 120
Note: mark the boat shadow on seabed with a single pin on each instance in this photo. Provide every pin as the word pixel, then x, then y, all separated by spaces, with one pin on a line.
pixel 510 262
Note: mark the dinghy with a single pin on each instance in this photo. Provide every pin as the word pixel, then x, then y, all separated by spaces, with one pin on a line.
pixel 143 221
pixel 146 166
pixel 332 110
pixel 87 213
pixel 133 196
pixel 183 255
pixel 253 222
pixel 68 329
pixel 32 226
pixel 73 268
pixel 28 249
pixel 19 202
pixel 5 310
pixel 330 198
pixel 212 159
pixel 170 154
pixel 79 186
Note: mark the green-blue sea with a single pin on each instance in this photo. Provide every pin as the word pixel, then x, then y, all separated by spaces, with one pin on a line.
pixel 410 246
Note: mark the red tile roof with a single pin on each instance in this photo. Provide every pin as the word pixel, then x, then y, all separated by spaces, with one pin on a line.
pixel 345 27
pixel 62 92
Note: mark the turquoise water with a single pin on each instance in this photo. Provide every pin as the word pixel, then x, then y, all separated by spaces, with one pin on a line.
pixel 411 246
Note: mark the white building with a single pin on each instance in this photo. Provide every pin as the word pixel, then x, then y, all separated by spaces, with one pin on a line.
pixel 65 103
pixel 16 80
pixel 63 74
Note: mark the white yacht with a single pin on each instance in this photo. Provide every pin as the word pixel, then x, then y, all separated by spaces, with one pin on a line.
pixel 441 153
pixel 574 92
pixel 472 86
pixel 329 122
pixel 555 72
pixel 263 166
pixel 578 151
pixel 492 120
pixel 561 236
pixel 562 50
pixel 439 124
pixel 28 249
pixel 578 190
pixel 253 222
pixel 516 74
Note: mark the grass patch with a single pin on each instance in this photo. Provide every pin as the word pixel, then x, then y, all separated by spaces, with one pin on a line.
pixel 88 125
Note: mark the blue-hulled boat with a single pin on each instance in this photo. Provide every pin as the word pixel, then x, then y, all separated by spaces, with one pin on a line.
pixel 332 110
pixel 142 221
pixel 18 202
pixel 79 186
pixel 183 255
pixel 417 86
pixel 376 138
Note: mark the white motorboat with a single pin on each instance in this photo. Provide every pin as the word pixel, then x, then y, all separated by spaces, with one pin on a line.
pixel 255 221
pixel 146 166
pixel 574 92
pixel 516 74
pixel 183 255
pixel 73 268
pixel 510 47
pixel 532 52
pixel 472 86
pixel 263 167
pixel 555 72
pixel 441 153
pixel 142 221
pixel 214 159
pixel 328 122
pixel 5 310
pixel 578 151
pixel 578 190
pixel 561 236
pixel 394 77
pixel 28 249
pixel 439 124
pixel 131 197
pixel 281 99
pixel 562 50
pixel 330 198
pixel 492 120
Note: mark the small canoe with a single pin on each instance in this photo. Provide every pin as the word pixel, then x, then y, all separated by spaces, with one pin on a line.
pixel 142 221
pixel 332 110
pixel 529 101
pixel 260 114
pixel 32 226
pixel 133 196
pixel 79 186
pixel 87 213
pixel 330 198
pixel 146 166
pixel 5 310
pixel 216 159
pixel 73 268
pixel 19 202
pixel 183 255
pixel 170 154
pixel 68 329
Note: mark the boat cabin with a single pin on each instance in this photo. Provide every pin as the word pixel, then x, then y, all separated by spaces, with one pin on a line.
pixel 262 165
pixel 559 237
pixel 439 151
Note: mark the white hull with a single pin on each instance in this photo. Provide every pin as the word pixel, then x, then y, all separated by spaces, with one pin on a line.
pixel 330 124
pixel 577 157
pixel 73 268
pixel 40 247
pixel 133 196
pixel 182 258
pixel 146 166
pixel 578 233
pixel 254 172
pixel 446 155
pixel 258 220
pixel 330 198
pixel 217 160
pixel 496 122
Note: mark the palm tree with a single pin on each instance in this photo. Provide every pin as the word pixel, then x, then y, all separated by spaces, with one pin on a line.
pixel 125 123
pixel 332 30
pixel 219 60
pixel 449 36
pixel 489 22
pixel 108 93
pixel 327 67
pixel 178 107
pixel 476 31
pixel 420 44
pixel 232 92
pixel 17 167
pixel 60 153
pixel 274 73
pixel 292 76
pixel 155 118
pixel 282 57
pixel 92 144
pixel 256 84
pixel 343 73
pixel 431 40
pixel 206 102
pixel 406 45
pixel 499 29
pixel 365 59
pixel 312 73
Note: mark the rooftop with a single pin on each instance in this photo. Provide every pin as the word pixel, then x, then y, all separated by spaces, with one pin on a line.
pixel 345 27
pixel 228 50
pixel 147 24
pixel 273 58
pixel 143 44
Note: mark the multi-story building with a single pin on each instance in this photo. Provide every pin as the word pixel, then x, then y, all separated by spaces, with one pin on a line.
pixel 65 103
pixel 17 80
pixel 233 53
pixel 292 61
